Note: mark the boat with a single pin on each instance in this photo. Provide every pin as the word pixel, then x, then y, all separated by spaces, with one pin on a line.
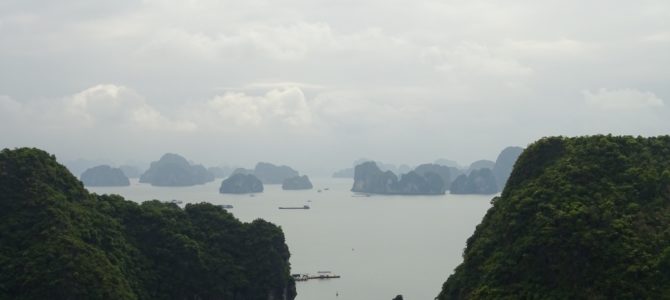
pixel 226 206
pixel 294 207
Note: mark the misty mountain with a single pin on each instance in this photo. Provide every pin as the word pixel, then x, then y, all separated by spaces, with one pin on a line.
pixel 241 184
pixel 505 163
pixel 174 170
pixel 104 175
pixel 369 178
pixel 481 164
pixel 479 181
pixel 297 183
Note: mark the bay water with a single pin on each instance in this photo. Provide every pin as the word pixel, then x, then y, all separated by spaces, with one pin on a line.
pixel 381 246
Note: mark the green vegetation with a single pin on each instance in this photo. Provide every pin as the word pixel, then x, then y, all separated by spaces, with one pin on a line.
pixel 579 218
pixel 57 241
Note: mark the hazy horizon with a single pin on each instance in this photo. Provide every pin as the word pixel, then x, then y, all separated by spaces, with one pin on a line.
pixel 317 85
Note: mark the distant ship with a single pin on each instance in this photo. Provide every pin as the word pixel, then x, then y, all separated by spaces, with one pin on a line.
pixel 295 207
pixel 227 206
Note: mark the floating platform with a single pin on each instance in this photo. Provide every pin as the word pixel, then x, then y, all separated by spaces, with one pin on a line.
pixel 321 275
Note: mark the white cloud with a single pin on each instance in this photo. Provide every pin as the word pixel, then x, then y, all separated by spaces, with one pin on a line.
pixel 113 105
pixel 553 49
pixel 621 99
pixel 474 58
pixel 281 106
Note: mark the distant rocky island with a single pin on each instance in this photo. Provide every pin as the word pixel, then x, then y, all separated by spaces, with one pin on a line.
pixel 479 181
pixel 297 183
pixel 269 173
pixel 368 178
pixel 344 173
pixel 104 175
pixel 481 177
pixel 481 164
pixel 272 174
pixel 175 170
pixel 446 173
pixel 241 184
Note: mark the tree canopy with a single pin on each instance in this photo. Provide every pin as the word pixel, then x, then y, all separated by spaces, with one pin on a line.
pixel 579 218
pixel 57 241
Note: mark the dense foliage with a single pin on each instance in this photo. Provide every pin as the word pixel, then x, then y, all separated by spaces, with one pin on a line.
pixel 579 218
pixel 57 241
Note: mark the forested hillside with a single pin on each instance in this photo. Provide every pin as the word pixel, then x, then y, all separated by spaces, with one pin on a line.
pixel 57 241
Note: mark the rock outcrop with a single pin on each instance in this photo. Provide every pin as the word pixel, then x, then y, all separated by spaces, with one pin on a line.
pixel 443 171
pixel 479 181
pixel 505 163
pixel 174 170
pixel 271 174
pixel 297 183
pixel 368 178
pixel 104 175
pixel 241 184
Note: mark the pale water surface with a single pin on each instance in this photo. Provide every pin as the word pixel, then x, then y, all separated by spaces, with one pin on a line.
pixel 380 245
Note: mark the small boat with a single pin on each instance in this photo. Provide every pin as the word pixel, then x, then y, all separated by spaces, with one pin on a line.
pixel 326 189
pixel 295 207
pixel 226 206
pixel 319 191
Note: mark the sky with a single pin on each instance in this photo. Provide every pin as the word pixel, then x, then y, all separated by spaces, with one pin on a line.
pixel 317 84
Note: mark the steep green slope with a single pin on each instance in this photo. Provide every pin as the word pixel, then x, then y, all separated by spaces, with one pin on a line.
pixel 57 241
pixel 579 218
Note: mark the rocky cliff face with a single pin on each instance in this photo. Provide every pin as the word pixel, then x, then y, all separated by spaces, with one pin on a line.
pixel 241 184
pixel 104 176
pixel 504 164
pixel 446 173
pixel 479 181
pixel 368 178
pixel 297 183
pixel 271 174
pixel 174 170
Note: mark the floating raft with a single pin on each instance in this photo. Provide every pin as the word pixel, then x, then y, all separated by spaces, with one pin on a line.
pixel 321 275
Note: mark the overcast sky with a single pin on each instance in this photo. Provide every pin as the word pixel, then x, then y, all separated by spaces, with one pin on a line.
pixel 319 84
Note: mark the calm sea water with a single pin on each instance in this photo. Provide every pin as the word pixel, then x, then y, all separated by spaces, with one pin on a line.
pixel 380 245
